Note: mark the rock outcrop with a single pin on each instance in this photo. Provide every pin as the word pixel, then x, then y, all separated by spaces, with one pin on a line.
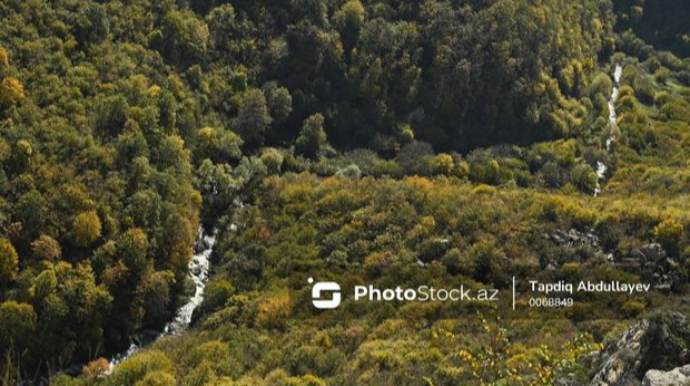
pixel 660 343
pixel 576 239
pixel 677 377
pixel 657 268
pixel 620 362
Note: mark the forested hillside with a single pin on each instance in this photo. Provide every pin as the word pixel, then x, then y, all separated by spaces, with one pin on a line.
pixel 657 22
pixel 368 140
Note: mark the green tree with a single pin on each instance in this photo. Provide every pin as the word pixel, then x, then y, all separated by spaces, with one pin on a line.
pixel 9 263
pixel 11 92
pixel 4 59
pixel 132 248
pixel 349 20
pixel 17 323
pixel 223 27
pixel 273 160
pixel 279 102
pixel 253 118
pixel 312 138
pixel 92 25
pixel 46 248
pixel 31 212
pixel 172 154
pixel 112 114
pixel 183 39
pixel 179 238
pixel 167 110
pixel 219 145
pixel 153 293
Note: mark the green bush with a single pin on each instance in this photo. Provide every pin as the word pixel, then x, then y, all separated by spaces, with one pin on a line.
pixel 136 368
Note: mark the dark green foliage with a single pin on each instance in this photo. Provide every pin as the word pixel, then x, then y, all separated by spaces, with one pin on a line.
pixel 253 118
pixel 312 138
pixel 182 39
pixel 656 22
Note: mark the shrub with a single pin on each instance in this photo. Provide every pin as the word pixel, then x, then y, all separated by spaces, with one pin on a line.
pixel 570 271
pixel 215 353
pixel 139 366
pixel 644 89
pixel 625 91
pixel 273 312
pixel 273 160
pixel 488 262
pixel 584 178
pixel 444 164
pixel 669 234
pixel 661 98
pixel 46 248
pixel 632 309
pixel 217 294
pixel 96 368
pixel 662 75
pixel 9 262
pixel 415 158
pixel 458 263
pixel 157 378
pixel 201 375
pixel 351 172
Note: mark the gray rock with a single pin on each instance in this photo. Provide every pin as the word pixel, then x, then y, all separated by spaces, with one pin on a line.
pixel 658 343
pixel 201 245
pixel 641 257
pixel 679 376
pixel 620 361
pixel 653 252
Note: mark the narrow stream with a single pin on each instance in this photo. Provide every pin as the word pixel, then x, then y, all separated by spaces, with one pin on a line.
pixel 613 127
pixel 198 273
pixel 200 263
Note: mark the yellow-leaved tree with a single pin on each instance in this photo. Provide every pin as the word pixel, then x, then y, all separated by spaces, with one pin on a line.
pixel 86 228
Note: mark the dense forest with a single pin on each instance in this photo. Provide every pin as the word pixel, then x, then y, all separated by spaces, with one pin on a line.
pixel 377 141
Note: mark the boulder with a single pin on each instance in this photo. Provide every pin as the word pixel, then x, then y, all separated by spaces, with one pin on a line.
pixel 202 244
pixel 679 376
pixel 652 252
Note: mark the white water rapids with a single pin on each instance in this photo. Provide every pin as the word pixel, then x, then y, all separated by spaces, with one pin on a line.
pixel 198 273
pixel 613 127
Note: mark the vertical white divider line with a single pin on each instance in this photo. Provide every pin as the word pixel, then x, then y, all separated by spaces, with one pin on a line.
pixel 513 292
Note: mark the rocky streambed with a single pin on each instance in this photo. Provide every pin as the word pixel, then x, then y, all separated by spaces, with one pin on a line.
pixel 199 268
pixel 602 169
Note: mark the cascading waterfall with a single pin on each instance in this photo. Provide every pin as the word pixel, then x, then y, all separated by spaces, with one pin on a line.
pixel 198 272
pixel 613 127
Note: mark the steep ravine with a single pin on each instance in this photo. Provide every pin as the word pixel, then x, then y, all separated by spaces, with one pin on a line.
pixel 198 272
